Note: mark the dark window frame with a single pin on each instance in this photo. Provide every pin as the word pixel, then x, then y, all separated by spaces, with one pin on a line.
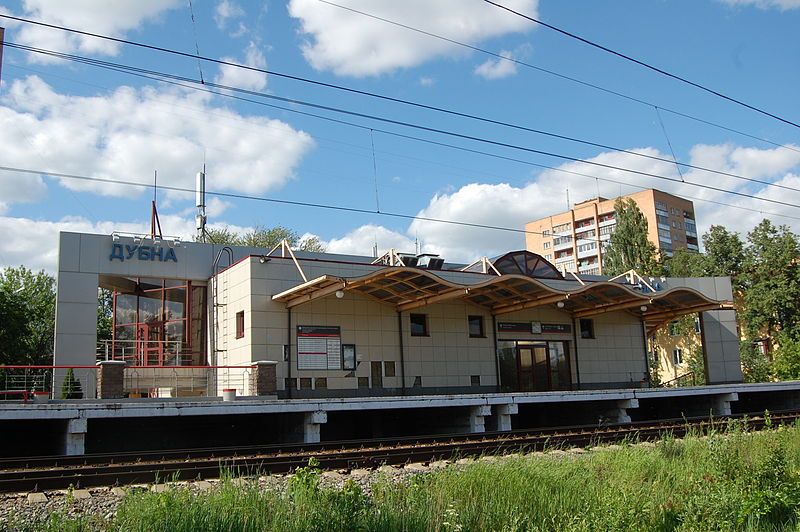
pixel 482 333
pixel 587 333
pixel 425 330
pixel 240 324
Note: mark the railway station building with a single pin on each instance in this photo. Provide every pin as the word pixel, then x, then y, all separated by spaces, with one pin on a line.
pixel 194 319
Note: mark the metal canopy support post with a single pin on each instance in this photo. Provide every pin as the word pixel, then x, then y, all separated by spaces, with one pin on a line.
pixel 496 352
pixel 402 353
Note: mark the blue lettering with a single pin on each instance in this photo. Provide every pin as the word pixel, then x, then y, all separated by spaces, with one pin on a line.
pixel 157 252
pixel 171 255
pixel 116 253
pixel 130 250
pixel 144 253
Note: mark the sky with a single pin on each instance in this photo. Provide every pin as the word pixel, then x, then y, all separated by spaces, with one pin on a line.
pixel 65 117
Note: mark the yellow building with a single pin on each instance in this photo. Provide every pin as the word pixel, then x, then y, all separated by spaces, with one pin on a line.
pixel 574 240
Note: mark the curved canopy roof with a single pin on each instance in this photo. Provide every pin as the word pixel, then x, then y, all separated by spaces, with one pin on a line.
pixel 410 288
pixel 526 263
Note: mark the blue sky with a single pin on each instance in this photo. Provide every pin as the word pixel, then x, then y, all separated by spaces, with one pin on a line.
pixel 64 117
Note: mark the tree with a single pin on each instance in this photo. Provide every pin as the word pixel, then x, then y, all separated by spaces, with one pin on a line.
pixel 71 387
pixel 263 237
pixel 685 263
pixel 755 366
pixel 724 253
pixel 770 281
pixel 27 307
pixel 787 358
pixel 105 299
pixel 629 248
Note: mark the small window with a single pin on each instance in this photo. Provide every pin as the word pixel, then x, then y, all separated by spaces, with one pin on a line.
pixel 697 325
pixel 363 382
pixel 476 327
pixel 240 324
pixel 546 245
pixel 587 328
pixel 674 330
pixel 290 384
pixel 305 383
pixel 475 380
pixel 388 369
pixel 321 383
pixel 417 381
pixel 677 357
pixel 419 325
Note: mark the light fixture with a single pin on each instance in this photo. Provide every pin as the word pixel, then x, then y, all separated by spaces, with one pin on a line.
pixel 263 259
pixel 339 294
pixel 643 308
pixel 156 241
pixel 114 237
pixel 560 304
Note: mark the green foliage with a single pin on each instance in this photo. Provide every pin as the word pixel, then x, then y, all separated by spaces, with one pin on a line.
pixel 71 387
pixel 629 247
pixel 740 481
pixel 104 314
pixel 263 237
pixel 755 366
pixel 787 357
pixel 27 305
pixel 724 253
pixel 685 263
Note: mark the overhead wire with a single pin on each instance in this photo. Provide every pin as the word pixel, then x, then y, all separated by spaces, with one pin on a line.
pixel 378 96
pixel 644 64
pixel 563 76
pixel 126 68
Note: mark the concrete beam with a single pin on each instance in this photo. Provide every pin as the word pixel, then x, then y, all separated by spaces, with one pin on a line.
pixel 75 437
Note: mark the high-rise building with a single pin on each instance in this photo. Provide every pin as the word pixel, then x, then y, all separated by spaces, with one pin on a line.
pixel 574 240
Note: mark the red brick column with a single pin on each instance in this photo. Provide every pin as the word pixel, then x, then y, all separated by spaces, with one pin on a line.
pixel 110 379
pixel 263 379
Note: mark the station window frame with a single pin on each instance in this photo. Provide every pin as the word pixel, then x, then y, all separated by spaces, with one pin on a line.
pixel 587 328
pixel 481 331
pixel 240 324
pixel 419 325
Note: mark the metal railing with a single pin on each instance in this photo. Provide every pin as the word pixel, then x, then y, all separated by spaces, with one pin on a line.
pixel 20 382
pixel 687 379
pixel 144 352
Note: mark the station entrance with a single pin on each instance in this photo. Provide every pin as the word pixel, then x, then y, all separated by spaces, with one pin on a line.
pixel 534 366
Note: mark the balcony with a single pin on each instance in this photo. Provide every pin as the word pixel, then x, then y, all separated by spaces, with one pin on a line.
pixel 566 244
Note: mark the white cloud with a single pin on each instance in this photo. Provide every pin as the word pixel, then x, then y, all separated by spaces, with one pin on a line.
pixel 350 44
pixel 497 68
pixel 114 19
pixel 128 134
pixel 426 81
pixel 241 77
pixel 34 243
pixel 783 5
pixel 226 11
pixel 509 206
pixel 19 187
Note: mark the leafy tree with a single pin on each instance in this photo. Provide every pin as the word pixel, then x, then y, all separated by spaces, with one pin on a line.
pixel 724 253
pixel 629 247
pixel 263 237
pixel 71 387
pixel 27 307
pixel 770 281
pixel 104 311
pixel 685 263
pixel 787 358
pixel 755 366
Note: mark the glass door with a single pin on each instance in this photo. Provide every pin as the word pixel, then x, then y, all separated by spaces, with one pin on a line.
pixel 532 370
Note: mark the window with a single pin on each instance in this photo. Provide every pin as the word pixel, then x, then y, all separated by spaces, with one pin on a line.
pixel 587 328
pixel 661 206
pixel 419 325
pixel 546 232
pixel 388 369
pixel 321 383
pixel 549 256
pixel 677 357
pixel 561 228
pixel 476 327
pixel 546 245
pixel 349 356
pixel 673 329
pixel 607 230
pixel 475 380
pixel 697 325
pixel 240 324
pixel 305 383
pixel 290 384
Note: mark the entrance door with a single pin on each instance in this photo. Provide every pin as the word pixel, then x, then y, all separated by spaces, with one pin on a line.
pixel 532 371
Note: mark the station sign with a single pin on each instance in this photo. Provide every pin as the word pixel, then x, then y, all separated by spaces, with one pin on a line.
pixel 123 252
pixel 534 327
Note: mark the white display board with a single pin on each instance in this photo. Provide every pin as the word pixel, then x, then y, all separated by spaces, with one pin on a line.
pixel 319 347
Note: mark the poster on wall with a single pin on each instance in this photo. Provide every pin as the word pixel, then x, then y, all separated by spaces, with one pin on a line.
pixel 319 347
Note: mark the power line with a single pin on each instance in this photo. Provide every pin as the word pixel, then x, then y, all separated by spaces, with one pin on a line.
pixel 562 76
pixel 126 68
pixel 645 65
pixel 366 93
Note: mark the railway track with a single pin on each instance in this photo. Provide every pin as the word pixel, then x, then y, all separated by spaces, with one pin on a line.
pixel 60 472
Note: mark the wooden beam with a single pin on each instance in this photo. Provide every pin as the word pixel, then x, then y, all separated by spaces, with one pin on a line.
pixel 612 307
pixel 683 311
pixel 505 309
pixel 429 300
pixel 322 292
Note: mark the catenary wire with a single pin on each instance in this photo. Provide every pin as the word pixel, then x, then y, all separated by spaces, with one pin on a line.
pixel 375 95
pixel 645 65
pixel 564 76
pixel 437 143
pixel 97 62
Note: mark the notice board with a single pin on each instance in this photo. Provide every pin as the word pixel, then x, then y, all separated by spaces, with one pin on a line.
pixel 319 347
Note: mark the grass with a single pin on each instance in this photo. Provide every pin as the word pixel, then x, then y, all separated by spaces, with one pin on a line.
pixel 739 481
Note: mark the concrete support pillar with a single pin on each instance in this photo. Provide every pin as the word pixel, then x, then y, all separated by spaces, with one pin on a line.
pixel 619 414
pixel 502 417
pixel 311 423
pixel 721 404
pixel 477 417
pixel 263 379
pixel 110 379
pixel 75 437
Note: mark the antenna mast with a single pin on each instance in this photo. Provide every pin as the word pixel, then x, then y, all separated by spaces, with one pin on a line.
pixel 154 221
pixel 200 197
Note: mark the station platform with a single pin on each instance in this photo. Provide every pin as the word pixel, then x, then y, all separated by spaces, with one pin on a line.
pixel 75 427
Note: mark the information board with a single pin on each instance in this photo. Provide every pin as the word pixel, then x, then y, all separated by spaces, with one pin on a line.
pixel 319 347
